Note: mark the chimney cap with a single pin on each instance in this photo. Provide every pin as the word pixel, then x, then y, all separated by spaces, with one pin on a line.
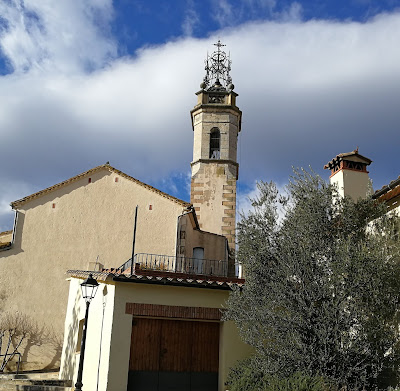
pixel 353 156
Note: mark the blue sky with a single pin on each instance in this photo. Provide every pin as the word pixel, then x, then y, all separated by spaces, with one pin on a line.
pixel 83 82
pixel 172 19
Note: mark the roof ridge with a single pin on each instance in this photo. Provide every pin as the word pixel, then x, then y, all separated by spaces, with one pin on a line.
pixel 75 178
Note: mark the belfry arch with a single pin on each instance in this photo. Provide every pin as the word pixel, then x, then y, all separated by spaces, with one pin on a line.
pixel 215 143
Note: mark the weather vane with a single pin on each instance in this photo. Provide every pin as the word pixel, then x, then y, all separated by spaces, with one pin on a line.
pixel 217 66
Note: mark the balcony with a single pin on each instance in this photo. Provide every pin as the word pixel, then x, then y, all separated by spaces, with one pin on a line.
pixel 177 264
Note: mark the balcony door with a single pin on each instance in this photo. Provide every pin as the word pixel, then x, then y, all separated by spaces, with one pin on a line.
pixel 198 260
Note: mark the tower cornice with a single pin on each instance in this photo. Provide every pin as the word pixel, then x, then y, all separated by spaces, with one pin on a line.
pixel 220 92
pixel 216 108
pixel 215 161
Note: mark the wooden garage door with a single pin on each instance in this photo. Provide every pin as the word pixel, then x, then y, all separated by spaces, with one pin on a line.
pixel 173 355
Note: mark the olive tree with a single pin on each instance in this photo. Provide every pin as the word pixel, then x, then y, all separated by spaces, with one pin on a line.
pixel 322 286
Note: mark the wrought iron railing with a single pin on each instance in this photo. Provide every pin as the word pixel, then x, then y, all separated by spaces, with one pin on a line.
pixel 178 264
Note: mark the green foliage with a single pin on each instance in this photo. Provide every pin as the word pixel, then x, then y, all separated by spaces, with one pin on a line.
pixel 244 378
pixel 298 382
pixel 322 285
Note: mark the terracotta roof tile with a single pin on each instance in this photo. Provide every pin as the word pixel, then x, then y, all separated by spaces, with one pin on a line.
pixel 99 276
pixel 340 157
pixel 162 278
pixel 390 194
pixel 107 167
pixel 389 191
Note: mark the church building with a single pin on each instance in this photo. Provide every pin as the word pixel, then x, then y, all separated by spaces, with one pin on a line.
pixel 165 266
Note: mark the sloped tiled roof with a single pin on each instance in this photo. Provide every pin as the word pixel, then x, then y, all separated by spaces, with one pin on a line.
pixel 389 191
pixel 76 178
pixel 174 279
pixel 99 276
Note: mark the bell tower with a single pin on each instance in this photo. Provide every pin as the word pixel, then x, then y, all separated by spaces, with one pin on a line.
pixel 216 122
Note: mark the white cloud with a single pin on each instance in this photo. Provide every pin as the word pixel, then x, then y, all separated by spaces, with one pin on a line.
pixel 223 13
pixel 243 203
pixel 245 200
pixel 191 19
pixel 308 90
pixel 292 13
pixel 227 14
pixel 266 4
pixel 64 36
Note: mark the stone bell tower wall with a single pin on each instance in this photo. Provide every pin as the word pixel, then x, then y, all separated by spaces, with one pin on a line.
pixel 213 186
pixel 213 195
pixel 227 122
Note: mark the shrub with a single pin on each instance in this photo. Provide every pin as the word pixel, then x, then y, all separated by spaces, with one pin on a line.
pixel 247 377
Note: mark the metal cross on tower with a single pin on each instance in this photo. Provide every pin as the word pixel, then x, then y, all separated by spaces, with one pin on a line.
pixel 218 66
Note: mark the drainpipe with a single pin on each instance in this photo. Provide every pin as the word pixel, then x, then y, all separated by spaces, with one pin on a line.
pixel 14 227
pixel 134 240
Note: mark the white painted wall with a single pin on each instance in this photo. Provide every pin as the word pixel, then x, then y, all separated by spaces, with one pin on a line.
pixel 108 351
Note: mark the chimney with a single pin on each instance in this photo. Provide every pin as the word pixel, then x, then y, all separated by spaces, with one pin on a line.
pixel 349 173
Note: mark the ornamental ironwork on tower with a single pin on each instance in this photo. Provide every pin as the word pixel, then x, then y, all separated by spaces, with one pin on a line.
pixel 217 67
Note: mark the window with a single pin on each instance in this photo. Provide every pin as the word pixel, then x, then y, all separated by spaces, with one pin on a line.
pixel 215 138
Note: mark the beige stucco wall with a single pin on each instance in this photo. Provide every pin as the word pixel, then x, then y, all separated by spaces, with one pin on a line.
pixel 89 220
pixel 215 246
pixel 355 184
pixel 115 372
